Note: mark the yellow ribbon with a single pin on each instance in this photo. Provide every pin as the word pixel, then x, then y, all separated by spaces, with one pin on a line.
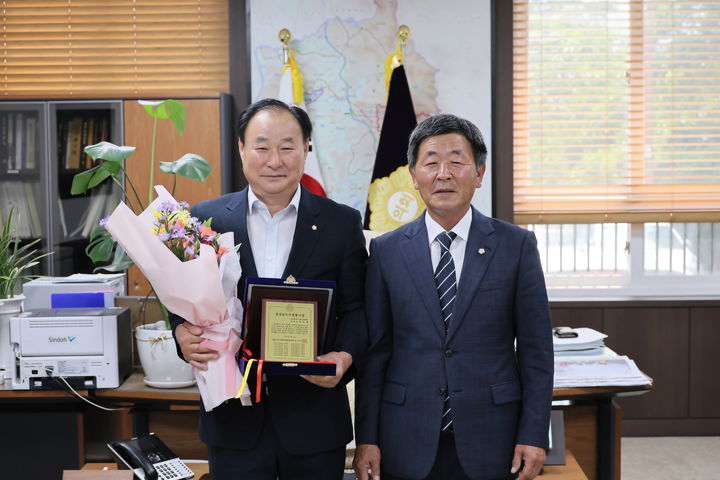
pixel 245 377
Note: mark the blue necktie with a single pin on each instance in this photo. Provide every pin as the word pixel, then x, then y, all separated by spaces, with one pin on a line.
pixel 445 280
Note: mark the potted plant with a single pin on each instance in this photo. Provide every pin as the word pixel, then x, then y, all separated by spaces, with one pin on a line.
pixel 16 261
pixel 155 344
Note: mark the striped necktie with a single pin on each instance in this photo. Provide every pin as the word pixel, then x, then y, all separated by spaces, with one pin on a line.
pixel 445 276
pixel 445 280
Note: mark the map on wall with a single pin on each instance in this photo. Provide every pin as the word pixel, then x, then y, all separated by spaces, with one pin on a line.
pixel 341 47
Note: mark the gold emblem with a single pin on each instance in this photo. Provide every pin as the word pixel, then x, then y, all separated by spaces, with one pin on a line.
pixel 314 227
pixel 481 251
pixel 290 280
pixel 394 201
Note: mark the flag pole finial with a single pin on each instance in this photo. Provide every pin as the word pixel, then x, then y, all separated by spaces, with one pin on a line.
pixel 284 35
pixel 403 32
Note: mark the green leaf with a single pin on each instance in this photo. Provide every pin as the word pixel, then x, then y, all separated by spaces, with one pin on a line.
pixel 108 151
pixel 100 247
pixel 120 263
pixel 152 107
pixel 190 166
pixel 176 112
pixel 82 180
pixel 164 109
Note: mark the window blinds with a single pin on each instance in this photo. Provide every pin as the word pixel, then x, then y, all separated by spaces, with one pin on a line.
pixel 93 48
pixel 616 111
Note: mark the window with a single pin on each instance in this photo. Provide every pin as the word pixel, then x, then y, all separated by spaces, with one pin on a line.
pixel 616 112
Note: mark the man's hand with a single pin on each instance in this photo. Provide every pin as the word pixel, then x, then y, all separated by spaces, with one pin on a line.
pixel 367 458
pixel 342 361
pixel 534 457
pixel 188 336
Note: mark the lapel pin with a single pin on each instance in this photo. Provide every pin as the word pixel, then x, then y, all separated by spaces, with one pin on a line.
pixel 314 227
pixel 481 251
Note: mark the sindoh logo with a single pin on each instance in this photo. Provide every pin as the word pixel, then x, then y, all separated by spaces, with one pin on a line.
pixel 67 339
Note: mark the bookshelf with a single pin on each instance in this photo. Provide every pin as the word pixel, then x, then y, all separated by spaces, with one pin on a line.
pixel 41 146
pixel 74 125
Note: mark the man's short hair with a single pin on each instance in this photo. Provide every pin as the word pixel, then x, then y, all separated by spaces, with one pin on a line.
pixel 276 105
pixel 443 124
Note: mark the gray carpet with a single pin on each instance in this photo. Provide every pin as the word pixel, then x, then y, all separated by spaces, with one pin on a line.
pixel 670 458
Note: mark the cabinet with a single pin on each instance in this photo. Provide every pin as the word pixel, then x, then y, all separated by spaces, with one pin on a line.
pixel 41 149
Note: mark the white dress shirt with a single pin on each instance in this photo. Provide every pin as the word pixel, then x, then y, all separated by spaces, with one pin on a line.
pixel 271 236
pixel 457 247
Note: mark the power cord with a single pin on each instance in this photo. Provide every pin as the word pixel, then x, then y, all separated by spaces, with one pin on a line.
pixel 49 373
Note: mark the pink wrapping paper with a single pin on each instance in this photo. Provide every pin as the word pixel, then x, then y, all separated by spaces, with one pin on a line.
pixel 199 290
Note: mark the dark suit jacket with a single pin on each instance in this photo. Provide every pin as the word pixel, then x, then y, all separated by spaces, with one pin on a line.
pixel 499 398
pixel 308 418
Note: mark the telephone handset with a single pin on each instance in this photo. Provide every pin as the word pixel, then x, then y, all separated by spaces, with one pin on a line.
pixel 150 458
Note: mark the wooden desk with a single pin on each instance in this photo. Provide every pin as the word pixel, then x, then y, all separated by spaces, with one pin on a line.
pixel 199 469
pixel 570 471
pixel 593 427
pixel 592 421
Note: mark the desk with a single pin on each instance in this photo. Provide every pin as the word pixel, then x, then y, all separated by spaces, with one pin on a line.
pixel 592 423
pixel 55 418
pixel 593 427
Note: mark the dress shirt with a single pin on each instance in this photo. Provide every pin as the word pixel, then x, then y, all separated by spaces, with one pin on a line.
pixel 271 236
pixel 457 247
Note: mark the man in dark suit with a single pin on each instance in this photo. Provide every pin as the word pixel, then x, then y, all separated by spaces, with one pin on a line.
pixel 301 427
pixel 443 393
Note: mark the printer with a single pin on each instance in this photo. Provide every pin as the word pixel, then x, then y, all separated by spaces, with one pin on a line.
pixel 88 347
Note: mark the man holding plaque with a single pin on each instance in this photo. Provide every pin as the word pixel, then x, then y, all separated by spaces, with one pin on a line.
pixel 443 393
pixel 301 426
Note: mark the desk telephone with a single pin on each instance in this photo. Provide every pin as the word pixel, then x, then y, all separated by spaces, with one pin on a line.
pixel 150 458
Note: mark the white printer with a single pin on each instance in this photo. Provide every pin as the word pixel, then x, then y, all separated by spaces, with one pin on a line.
pixel 88 347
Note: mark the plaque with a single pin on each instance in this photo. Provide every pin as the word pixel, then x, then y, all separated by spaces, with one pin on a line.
pixel 287 324
pixel 288 331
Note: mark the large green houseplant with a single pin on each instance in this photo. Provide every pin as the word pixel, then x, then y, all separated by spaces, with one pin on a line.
pixel 156 348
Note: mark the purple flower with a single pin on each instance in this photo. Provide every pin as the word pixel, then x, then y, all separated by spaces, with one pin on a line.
pixel 167 206
pixel 179 233
pixel 164 236
pixel 190 251
pixel 103 221
pixel 183 205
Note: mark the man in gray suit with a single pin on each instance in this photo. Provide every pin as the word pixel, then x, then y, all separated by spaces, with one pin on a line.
pixel 457 382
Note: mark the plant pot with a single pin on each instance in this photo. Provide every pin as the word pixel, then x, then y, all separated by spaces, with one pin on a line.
pixel 158 357
pixel 9 307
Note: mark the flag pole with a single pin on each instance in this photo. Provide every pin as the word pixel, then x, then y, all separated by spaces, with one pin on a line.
pixel 284 35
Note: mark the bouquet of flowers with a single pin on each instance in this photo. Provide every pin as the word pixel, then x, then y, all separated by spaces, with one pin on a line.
pixel 194 272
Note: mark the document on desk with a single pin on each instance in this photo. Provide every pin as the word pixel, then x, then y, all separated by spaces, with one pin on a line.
pixel 588 340
pixel 592 372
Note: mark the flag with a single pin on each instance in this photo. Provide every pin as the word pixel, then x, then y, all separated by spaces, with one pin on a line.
pixel 392 198
pixel 291 92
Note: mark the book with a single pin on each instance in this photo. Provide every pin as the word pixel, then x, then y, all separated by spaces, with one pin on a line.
pixel 74 143
pixel 34 216
pixel 19 141
pixel 31 162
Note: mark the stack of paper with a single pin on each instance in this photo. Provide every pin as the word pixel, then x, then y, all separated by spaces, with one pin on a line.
pixel 588 342
pixel 592 372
